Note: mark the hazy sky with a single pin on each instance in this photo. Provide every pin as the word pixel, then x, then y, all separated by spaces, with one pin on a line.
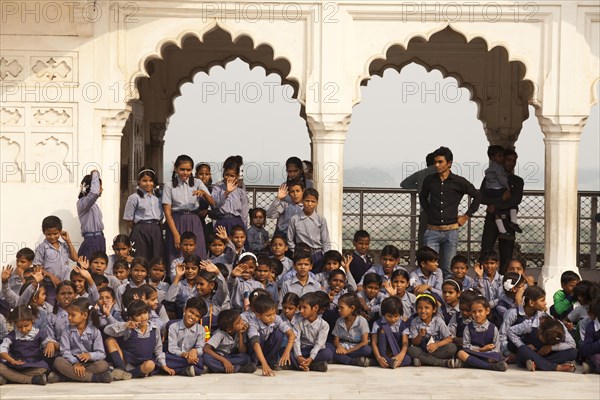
pixel 390 133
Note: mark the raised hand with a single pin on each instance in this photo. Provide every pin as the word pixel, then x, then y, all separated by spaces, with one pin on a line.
pixel 478 270
pixel 282 192
pixel 65 236
pixel 6 272
pixel 346 262
pixel 221 233
pixel 180 270
pixel 389 287
pixel 38 274
pixel 209 266
pixel 232 184
pixel 83 262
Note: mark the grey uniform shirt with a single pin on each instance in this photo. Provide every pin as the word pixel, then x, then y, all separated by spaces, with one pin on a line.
pixel 120 329
pixel 90 216
pixel 310 334
pixel 436 328
pixel 350 337
pixel 309 229
pixel 183 339
pixel 73 344
pixel 223 343
pixel 480 328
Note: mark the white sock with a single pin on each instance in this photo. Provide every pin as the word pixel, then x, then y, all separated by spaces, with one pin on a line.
pixel 513 215
pixel 500 226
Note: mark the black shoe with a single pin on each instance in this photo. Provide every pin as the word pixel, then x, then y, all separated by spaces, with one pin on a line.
pixel 319 366
pixel 105 377
pixel 515 227
pixel 39 380
pixel 501 366
pixel 3 381
pixel 247 369
pixel 275 367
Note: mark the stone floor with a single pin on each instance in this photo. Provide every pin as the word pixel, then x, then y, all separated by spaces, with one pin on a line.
pixel 339 382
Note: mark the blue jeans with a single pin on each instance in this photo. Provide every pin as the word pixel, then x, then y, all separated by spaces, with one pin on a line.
pixel 445 243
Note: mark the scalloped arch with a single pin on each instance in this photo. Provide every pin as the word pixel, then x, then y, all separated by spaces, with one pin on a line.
pixel 469 38
pixel 200 35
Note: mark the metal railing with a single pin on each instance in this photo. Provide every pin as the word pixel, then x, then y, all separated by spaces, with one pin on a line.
pixel 391 217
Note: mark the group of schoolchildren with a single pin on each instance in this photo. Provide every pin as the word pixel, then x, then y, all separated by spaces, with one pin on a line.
pixel 224 297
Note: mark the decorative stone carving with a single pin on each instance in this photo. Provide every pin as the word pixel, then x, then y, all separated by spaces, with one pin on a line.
pixel 51 69
pixel 52 152
pixel 52 117
pixel 10 116
pixel 12 68
pixel 10 154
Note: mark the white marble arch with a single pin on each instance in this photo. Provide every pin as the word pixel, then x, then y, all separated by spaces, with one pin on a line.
pixel 329 46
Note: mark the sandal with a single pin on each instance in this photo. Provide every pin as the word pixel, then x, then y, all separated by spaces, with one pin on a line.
pixel 570 365
pixel 530 364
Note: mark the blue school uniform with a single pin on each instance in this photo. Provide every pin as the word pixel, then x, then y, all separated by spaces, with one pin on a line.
pixel 232 209
pixel 90 341
pixel 349 338
pixel 477 336
pixel 216 303
pixel 514 316
pixel 491 289
pixel 53 260
pixel 146 213
pixel 447 312
pixel 436 329
pixel 310 230
pixel 240 288
pixel 467 283
pixel 311 341
pixel 138 347
pixel 182 340
pixel 180 293
pixel 378 269
pixel 360 265
pixel 374 303
pixel 28 348
pixel 57 322
pixel 90 219
pixel 226 346
pixel 227 257
pixel 269 337
pixel 435 280
pixel 589 349
pixel 257 239
pixel 389 339
pixel 293 285
pixel 457 325
pixel 184 209
pixel 283 211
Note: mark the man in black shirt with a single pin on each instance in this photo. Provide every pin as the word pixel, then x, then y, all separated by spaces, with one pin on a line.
pixel 506 244
pixel 440 197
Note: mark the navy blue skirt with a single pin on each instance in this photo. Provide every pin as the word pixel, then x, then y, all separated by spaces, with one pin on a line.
pixel 186 223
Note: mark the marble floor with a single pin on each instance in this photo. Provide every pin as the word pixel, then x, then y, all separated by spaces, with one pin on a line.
pixel 340 382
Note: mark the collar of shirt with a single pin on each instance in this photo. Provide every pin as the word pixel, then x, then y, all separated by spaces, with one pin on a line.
pixel 342 323
pixel 180 182
pixel 181 326
pixel 151 326
pixel 30 335
pixel 314 216
pixel 308 282
pixel 483 327
pixel 456 308
pixel 87 330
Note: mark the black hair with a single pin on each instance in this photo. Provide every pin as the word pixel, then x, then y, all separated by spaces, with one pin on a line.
pixel 256 293
pixel 510 152
pixel 444 152
pixel 223 270
pixel 521 261
pixel 489 255
pixel 296 182
pixel 261 304
pixel 430 159
pixel 22 313
pixel 399 272
pixel 233 162
pixel 237 228
pixel 58 287
pixel 254 211
pixel 351 300
pixel 122 238
pixel 143 261
pixel 455 285
pixel 86 186
pixel 137 307
pixel 212 237
pixel 494 150
pixel 148 171
pixel 107 289
pixel 361 234
pixel 587 290
pixel 569 276
pixel 84 306
pixel 148 290
pixel 278 235
pixel 264 260
pixel 291 297
pixel 300 254
pixel 120 264
pixel 426 254
pixel 312 299
pixel 372 277
pixel 156 261
pixel 332 255
pixel 428 299
pixel 248 257
pixel 459 258
pixel 533 293
pixel 187 235
pixel 337 271
pixel 130 295
pixel 277 266
pixel 467 296
pixel 551 331
pixel 99 255
pixel 310 192
pixel 50 222
pixel 595 307
pixel 193 259
pixel 390 250
pixel 322 300
pixel 28 282
pixel 27 253
pixel 226 319
pixel 481 300
pixel 99 280
pixel 391 305
pixel 295 161
pixel 197 303
pixel 182 158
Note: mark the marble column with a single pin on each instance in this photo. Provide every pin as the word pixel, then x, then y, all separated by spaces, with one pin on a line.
pixel 328 134
pixel 113 122
pixel 560 188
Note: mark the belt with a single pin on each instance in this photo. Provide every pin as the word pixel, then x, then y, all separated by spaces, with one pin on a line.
pixel 443 227
pixel 186 212
pixel 148 221
pixel 92 234
pixel 226 216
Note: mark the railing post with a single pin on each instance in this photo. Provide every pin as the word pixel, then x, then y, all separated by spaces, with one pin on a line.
pixel 594 233
pixel 361 211
pixel 413 229
pixel 578 229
